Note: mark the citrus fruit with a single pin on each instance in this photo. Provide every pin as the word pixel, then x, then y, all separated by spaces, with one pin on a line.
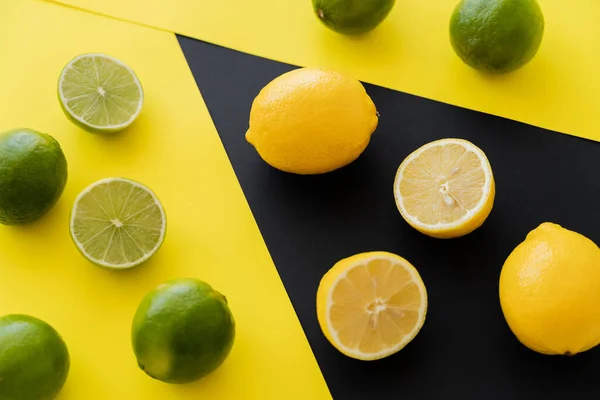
pixel 311 121
pixel 33 175
pixel 352 16
pixel 99 93
pixel 496 36
pixel 445 188
pixel 34 360
pixel 182 331
pixel 371 305
pixel 118 223
pixel 550 291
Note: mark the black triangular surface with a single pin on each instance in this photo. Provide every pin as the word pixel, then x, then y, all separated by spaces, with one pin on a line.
pixel 465 349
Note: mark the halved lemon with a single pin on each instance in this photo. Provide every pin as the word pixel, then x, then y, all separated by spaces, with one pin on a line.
pixel 371 305
pixel 445 189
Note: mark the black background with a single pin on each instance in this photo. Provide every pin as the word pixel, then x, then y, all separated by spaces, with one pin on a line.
pixel 465 349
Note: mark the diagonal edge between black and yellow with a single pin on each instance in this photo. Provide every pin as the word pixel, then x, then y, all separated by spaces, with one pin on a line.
pixel 310 222
pixel 409 51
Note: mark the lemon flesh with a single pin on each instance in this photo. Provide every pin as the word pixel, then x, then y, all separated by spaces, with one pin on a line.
pixel 497 36
pixel 100 93
pixel 445 189
pixel 550 291
pixel 118 223
pixel 371 305
pixel 311 121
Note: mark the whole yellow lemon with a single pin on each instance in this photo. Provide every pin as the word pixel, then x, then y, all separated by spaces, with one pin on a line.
pixel 550 291
pixel 311 121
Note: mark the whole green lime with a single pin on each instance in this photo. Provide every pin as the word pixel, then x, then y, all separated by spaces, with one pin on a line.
pixel 33 175
pixel 182 331
pixel 34 360
pixel 351 17
pixel 497 36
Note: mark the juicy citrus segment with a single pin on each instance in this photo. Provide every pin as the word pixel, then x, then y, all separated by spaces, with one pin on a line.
pixel 100 92
pixel 445 188
pixel 371 305
pixel 118 223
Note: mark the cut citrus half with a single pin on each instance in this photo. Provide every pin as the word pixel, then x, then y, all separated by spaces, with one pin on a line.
pixel 445 189
pixel 100 93
pixel 117 223
pixel 371 305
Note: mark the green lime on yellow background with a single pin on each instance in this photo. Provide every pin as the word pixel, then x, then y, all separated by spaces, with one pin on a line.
pixel 33 175
pixel 183 330
pixel 352 16
pixel 497 36
pixel 34 359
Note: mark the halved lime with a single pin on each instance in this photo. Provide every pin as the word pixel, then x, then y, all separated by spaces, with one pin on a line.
pixel 100 93
pixel 118 223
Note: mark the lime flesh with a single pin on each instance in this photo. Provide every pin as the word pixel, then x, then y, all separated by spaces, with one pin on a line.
pixel 182 331
pixel 100 93
pixel 352 17
pixel 33 175
pixel 118 223
pixel 497 36
pixel 34 359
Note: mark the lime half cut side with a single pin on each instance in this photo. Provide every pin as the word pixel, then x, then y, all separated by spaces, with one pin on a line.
pixel 99 93
pixel 118 223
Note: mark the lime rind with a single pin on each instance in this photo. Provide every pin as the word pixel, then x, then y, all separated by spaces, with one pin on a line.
pixel 352 17
pixel 77 235
pixel 498 36
pixel 77 119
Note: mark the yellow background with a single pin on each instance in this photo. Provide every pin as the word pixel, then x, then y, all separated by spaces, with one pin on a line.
pixel 175 150
pixel 410 52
